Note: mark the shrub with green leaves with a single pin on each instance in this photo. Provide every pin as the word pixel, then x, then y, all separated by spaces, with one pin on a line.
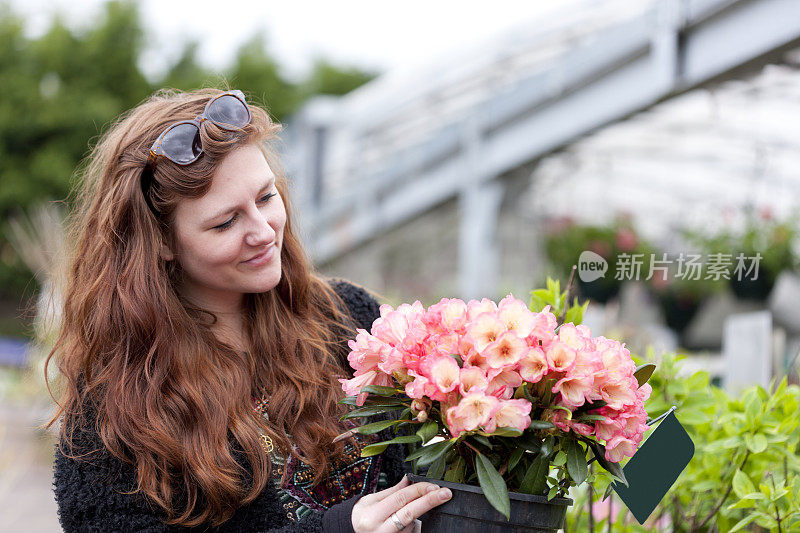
pixel 745 470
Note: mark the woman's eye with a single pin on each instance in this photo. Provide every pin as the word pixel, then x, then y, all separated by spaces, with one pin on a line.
pixel 227 224
pixel 266 197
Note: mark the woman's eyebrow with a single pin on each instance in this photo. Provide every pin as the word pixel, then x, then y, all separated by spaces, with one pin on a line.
pixel 267 185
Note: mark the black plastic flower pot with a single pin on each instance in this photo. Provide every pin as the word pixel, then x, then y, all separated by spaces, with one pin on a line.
pixel 678 309
pixel 753 289
pixel 468 511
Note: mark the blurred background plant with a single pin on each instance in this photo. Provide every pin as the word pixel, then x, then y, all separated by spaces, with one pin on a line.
pixel 679 294
pixel 745 471
pixel 762 234
pixel 565 240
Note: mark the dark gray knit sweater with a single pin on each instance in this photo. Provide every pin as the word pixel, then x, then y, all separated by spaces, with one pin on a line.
pixel 87 499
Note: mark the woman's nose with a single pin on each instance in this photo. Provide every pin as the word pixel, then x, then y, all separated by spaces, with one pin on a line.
pixel 260 232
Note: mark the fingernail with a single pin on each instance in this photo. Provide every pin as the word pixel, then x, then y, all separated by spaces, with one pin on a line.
pixel 445 494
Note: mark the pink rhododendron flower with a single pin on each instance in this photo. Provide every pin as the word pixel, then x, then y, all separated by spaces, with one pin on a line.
pixel 452 313
pixel 507 350
pixel 573 389
pixel 475 308
pixel 420 387
pixel 372 377
pixel 485 329
pixel 514 414
pixel 544 325
pixel 619 447
pixel 560 357
pixel 472 379
pixel 516 316
pixel 366 351
pixel 581 428
pixel 559 417
pixel 619 393
pixel 475 409
pixel 391 327
pixel 533 366
pixel 576 337
pixel 503 382
pixel 443 371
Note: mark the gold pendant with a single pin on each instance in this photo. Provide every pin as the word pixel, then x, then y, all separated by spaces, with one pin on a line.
pixel 267 443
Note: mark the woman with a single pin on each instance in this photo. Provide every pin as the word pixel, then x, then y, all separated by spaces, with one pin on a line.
pixel 200 351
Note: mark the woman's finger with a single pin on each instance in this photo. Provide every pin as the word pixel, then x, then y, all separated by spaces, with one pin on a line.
pixel 404 482
pixel 416 508
pixel 400 502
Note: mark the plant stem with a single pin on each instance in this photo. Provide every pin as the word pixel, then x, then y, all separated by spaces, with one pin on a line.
pixel 725 496
pixel 566 295
pixel 777 511
pixel 591 497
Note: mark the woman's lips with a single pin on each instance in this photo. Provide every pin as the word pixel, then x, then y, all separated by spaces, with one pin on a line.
pixel 262 258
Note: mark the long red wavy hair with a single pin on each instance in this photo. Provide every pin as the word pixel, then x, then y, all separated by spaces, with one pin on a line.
pixel 167 395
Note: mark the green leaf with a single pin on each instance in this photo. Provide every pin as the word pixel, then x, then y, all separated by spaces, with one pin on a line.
pixel 428 430
pixel 547 447
pixel 429 453
pixel 599 452
pixel 535 480
pixel 541 424
pixel 370 411
pixel 576 461
pixel 370 401
pixel 516 455
pixel 743 522
pixel 560 459
pixel 436 470
pixel 504 432
pixel 589 418
pixel 742 484
pixel 456 471
pixel 380 390
pixel 493 485
pixel 373 449
pixel 378 447
pixel 643 373
pixel 552 492
pixel 756 443
pixel 752 408
pixel 375 427
pixel 483 440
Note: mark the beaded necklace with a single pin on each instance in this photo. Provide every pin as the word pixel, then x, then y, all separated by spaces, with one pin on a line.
pixel 350 474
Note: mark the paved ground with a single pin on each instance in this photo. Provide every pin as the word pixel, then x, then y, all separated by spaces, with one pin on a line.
pixel 26 455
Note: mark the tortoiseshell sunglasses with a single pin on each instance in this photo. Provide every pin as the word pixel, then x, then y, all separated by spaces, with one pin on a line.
pixel 180 142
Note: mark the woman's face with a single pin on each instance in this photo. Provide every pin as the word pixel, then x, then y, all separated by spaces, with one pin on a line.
pixel 228 242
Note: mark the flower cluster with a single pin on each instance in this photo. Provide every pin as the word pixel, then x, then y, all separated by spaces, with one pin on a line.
pixel 473 358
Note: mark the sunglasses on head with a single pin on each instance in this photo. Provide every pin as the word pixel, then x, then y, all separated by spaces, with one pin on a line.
pixel 180 142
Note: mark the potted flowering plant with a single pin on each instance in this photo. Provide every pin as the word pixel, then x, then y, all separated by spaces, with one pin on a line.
pixel 764 235
pixel 680 297
pixel 566 240
pixel 505 403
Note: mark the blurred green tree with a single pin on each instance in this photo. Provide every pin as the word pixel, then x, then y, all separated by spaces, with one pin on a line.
pixel 60 90
pixel 327 78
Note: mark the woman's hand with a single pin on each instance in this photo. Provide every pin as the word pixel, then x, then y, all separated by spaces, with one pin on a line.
pixel 373 512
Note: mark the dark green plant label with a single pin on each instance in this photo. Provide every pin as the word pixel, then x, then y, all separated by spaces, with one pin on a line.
pixel 655 467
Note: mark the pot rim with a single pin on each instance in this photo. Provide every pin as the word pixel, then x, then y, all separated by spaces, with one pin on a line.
pixel 476 489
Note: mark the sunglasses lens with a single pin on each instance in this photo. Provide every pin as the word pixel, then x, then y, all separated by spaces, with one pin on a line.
pixel 229 111
pixel 182 143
